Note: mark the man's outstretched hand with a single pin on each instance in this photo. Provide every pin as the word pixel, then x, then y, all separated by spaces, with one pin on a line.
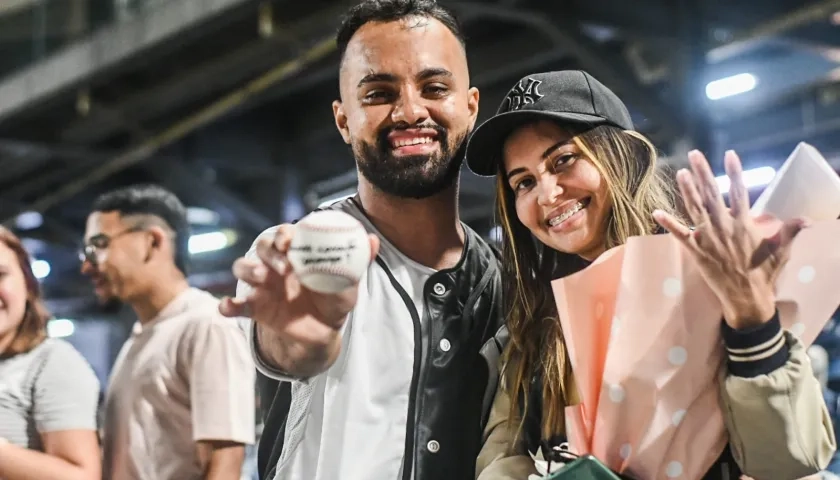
pixel 297 329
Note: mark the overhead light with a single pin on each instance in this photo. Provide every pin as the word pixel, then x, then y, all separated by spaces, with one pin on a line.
pixel 757 177
pixel 202 216
pixel 41 268
pixel 60 328
pixel 729 86
pixel 211 241
pixel 29 220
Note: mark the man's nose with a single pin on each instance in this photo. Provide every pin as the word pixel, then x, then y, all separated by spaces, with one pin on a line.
pixel 410 109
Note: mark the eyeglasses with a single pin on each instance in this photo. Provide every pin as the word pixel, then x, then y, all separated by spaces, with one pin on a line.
pixel 101 242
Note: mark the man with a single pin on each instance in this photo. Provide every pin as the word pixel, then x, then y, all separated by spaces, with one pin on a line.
pixel 391 379
pixel 180 400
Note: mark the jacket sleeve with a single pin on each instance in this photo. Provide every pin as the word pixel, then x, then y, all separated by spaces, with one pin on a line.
pixel 498 458
pixel 774 410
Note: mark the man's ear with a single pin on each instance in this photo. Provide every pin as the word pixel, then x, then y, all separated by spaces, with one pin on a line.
pixel 341 120
pixel 157 237
pixel 472 104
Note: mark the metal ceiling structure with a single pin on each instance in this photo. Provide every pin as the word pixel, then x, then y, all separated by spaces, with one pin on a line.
pixel 227 102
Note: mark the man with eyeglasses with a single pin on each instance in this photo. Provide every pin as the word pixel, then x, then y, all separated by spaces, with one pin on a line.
pixel 180 400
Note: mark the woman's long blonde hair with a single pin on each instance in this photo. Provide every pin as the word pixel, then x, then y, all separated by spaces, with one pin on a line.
pixel 627 161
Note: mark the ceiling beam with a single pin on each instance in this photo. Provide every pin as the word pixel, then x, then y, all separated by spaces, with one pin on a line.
pixel 106 50
pixel 67 19
pixel 213 76
pixel 176 131
pixel 747 39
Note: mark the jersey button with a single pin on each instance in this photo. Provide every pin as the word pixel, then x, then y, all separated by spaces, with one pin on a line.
pixel 433 446
pixel 445 345
pixel 439 289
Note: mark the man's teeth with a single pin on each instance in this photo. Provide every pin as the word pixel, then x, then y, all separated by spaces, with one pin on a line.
pixel 565 215
pixel 405 142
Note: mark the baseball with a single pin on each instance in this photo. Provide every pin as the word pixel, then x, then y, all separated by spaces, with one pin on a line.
pixel 329 251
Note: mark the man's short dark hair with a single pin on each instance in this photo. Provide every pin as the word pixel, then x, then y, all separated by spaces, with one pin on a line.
pixel 391 11
pixel 153 201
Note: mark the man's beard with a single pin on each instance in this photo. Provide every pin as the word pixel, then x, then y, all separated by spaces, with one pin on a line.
pixel 410 176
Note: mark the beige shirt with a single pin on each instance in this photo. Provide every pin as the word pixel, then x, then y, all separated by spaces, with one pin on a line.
pixel 185 376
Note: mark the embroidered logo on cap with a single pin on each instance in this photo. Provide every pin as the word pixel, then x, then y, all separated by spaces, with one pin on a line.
pixel 523 93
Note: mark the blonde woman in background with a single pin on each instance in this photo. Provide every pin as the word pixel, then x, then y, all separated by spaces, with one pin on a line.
pixel 48 392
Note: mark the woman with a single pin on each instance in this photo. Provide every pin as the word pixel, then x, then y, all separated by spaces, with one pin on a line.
pixel 48 392
pixel 575 180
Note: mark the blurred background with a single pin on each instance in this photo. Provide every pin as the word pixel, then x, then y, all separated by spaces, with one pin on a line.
pixel 227 103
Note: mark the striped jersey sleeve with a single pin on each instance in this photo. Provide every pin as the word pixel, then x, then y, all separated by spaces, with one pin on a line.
pixel 756 351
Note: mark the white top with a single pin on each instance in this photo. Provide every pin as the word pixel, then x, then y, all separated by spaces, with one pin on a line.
pixel 183 377
pixel 350 422
pixel 47 389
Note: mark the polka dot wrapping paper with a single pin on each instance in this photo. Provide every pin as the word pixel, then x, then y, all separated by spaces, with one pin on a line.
pixel 642 329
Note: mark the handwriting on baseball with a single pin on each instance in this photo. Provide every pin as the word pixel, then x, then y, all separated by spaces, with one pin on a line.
pixel 326 253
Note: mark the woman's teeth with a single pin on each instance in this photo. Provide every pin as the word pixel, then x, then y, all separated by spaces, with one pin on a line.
pixel 553 222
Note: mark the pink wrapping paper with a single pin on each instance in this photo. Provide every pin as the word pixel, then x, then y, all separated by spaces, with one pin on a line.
pixel 643 333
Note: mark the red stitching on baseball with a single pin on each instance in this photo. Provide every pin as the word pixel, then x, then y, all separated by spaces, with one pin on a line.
pixel 332 270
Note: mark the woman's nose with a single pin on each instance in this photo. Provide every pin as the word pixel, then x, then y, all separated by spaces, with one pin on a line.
pixel 549 189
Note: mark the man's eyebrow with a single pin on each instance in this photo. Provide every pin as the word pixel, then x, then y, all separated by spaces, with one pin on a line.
pixel 377 77
pixel 428 73
pixel 425 74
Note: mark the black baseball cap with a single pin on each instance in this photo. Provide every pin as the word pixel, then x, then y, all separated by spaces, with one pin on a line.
pixel 568 96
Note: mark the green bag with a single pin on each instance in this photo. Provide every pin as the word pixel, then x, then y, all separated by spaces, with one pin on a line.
pixel 586 467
